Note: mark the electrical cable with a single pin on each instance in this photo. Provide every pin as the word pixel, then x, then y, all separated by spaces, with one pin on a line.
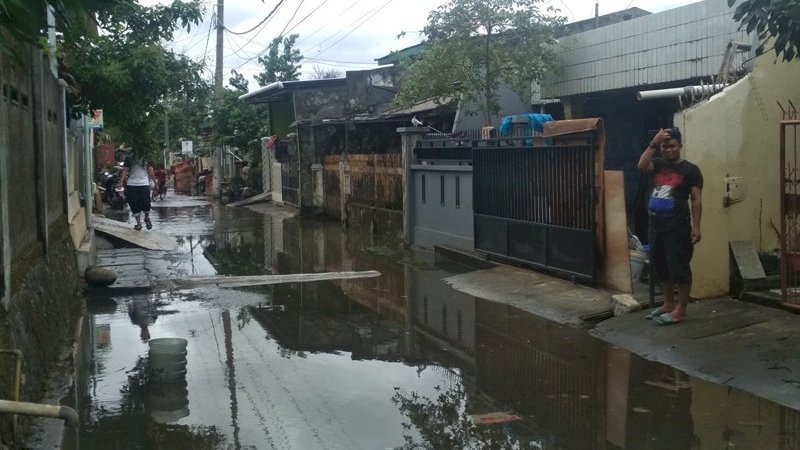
pixel 372 63
pixel 291 18
pixel 306 16
pixel 208 36
pixel 354 29
pixel 263 21
pixel 235 51
pixel 306 37
pixel 264 24
pixel 319 44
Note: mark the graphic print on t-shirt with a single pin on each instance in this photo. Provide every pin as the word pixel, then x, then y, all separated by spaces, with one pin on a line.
pixel 662 200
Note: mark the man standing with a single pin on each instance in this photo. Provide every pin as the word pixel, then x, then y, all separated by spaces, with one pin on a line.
pixel 673 230
pixel 136 177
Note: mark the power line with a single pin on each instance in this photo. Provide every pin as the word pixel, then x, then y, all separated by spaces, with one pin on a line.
pixel 264 24
pixel 354 29
pixel 292 18
pixel 306 37
pixel 307 16
pixel 208 36
pixel 235 51
pixel 319 44
pixel 287 31
pixel 263 21
pixel 341 62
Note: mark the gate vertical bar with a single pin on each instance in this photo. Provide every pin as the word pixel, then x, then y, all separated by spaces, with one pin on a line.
pixel 784 272
pixel 790 212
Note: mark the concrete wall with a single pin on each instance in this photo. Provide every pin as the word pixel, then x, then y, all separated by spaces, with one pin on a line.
pixel 435 222
pixel 41 303
pixel 469 117
pixel 736 134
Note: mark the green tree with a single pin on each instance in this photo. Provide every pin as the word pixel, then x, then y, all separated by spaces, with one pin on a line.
pixel 474 45
pixel 24 20
pixel 124 69
pixel 281 63
pixel 237 123
pixel 779 19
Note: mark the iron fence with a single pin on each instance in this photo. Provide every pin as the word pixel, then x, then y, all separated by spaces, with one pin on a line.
pixel 790 210
pixel 536 205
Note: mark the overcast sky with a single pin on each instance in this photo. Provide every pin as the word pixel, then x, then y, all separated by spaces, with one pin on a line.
pixel 341 34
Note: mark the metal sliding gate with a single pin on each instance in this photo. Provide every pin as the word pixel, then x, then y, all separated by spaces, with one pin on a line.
pixel 290 173
pixel 790 210
pixel 536 205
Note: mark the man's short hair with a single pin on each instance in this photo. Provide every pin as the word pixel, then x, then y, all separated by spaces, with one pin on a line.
pixel 675 133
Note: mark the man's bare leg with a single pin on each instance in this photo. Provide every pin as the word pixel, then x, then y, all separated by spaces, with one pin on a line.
pixel 679 313
pixel 668 288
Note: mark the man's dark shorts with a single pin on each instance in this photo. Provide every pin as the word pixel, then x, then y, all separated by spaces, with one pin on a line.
pixel 670 254
pixel 138 198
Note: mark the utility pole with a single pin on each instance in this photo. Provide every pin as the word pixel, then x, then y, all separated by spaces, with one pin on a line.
pixel 220 33
pixel 166 137
pixel 218 154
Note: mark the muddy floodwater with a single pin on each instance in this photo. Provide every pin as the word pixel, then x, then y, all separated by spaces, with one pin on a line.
pixel 398 361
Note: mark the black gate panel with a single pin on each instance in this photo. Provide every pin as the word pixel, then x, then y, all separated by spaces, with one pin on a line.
pixel 536 205
pixel 491 234
pixel 571 250
pixel 529 242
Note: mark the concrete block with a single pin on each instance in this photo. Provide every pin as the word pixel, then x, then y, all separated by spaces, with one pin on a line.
pixel 624 303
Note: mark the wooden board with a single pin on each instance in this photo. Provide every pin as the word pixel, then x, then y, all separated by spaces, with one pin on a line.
pixel 264 197
pixel 129 265
pixel 616 261
pixel 260 280
pixel 149 239
pixel 747 261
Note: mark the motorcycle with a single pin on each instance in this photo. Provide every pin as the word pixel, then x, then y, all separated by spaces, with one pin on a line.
pixel 113 195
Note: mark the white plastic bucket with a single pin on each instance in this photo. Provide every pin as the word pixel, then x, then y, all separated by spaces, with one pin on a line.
pixel 168 346
pixel 637 264
pixel 167 360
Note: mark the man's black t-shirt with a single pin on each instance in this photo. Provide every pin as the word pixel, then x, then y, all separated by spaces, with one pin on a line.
pixel 668 207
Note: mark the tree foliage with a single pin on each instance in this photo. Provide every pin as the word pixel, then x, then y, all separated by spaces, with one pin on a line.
pixel 25 20
pixel 281 63
pixel 474 45
pixel 125 70
pixel 237 123
pixel 779 19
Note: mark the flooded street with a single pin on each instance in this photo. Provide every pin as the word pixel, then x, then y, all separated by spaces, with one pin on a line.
pixel 398 361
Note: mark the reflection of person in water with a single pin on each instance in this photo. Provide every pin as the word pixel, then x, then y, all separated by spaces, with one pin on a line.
pixel 142 313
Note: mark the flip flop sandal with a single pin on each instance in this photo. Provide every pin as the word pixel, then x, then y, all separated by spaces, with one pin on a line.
pixel 666 319
pixel 137 227
pixel 655 313
pixel 148 223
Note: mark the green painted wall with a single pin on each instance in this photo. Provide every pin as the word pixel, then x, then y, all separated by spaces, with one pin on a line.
pixel 281 115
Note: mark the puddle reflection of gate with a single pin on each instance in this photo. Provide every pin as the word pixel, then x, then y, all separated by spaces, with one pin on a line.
pixel 790 208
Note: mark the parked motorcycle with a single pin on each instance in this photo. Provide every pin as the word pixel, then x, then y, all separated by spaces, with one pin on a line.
pixel 113 195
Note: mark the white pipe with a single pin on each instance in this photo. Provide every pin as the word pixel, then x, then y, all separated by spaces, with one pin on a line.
pixel 41 410
pixel 697 91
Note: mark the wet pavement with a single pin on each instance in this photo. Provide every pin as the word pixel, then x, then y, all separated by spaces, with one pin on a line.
pixel 399 361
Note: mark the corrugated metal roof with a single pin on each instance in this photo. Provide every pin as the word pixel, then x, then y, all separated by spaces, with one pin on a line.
pixel 675 45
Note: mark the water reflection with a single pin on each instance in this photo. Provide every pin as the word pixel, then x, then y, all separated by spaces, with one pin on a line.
pixel 399 361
